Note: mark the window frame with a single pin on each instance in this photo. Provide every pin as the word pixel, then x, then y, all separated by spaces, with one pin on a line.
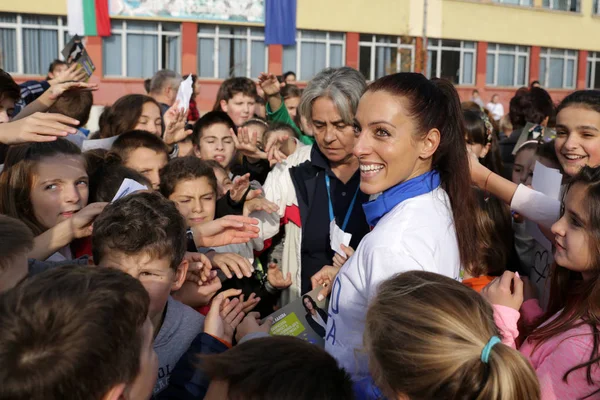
pixel 158 34
pixel 328 41
pixel 521 3
pixel 545 53
pixel 596 7
pixel 497 52
pixel 593 59
pixel 217 35
pixel 439 48
pixel 61 29
pixel 552 6
pixel 373 45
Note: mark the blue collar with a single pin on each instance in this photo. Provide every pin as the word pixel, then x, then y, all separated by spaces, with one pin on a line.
pixel 376 209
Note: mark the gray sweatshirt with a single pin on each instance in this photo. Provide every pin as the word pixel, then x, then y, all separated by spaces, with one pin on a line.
pixel 180 326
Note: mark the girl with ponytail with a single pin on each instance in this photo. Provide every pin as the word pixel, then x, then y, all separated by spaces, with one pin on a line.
pixel 429 337
pixel 411 150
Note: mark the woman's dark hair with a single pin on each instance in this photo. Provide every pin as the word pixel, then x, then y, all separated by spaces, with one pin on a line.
pixel 434 104
pixel 107 179
pixel 288 74
pixel 480 130
pixel 575 300
pixel 496 237
pixel 291 91
pixel 546 150
pixel 314 304
pixel 589 99
pixel 8 87
pixel 123 115
pixel 533 105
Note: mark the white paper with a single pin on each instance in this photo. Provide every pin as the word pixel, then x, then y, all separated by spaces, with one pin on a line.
pixel 92 144
pixel 184 94
pixel 128 186
pixel 547 180
pixel 338 238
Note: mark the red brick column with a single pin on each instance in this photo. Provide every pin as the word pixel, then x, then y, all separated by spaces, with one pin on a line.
pixel 189 48
pixel 352 39
pixel 582 69
pixel 275 59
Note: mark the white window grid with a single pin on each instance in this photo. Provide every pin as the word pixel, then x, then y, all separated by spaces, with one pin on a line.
pixel 61 27
pixel 546 54
pixel 524 3
pixel 123 30
pixel 462 49
pixel 249 36
pixel 328 41
pixel 556 5
pixel 373 44
pixel 494 49
pixel 592 61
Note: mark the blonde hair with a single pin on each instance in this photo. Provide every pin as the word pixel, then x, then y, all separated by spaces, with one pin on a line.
pixel 425 334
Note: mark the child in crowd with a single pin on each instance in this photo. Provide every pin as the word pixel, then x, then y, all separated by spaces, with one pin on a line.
pixel 142 152
pixel 481 139
pixel 237 97
pixel 10 93
pixel 212 138
pixel 45 185
pixel 143 235
pixel 106 180
pixel 131 112
pixel 291 98
pixel 562 344
pixel 76 105
pixel 191 184
pixel 76 332
pixel 260 110
pixel 429 337
pixel 16 240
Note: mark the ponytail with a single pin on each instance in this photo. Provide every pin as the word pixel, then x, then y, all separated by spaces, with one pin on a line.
pixel 425 334
pixel 435 105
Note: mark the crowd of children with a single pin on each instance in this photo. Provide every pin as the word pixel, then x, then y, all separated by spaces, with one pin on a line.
pixel 144 260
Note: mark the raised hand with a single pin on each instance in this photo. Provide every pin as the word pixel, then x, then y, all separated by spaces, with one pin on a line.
pixel 81 222
pixel 72 74
pixel 231 262
pixel 339 260
pixel 247 144
pixel 199 269
pixel 252 324
pixel 58 89
pixel 276 279
pixel 231 229
pixel 505 290
pixel 223 318
pixel 269 84
pixel 325 278
pixel 174 120
pixel 259 204
pixel 38 127
pixel 239 187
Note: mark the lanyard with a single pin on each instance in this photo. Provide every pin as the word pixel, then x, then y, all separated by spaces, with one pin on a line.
pixel 331 214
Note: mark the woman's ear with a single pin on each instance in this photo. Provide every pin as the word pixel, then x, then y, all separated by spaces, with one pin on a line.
pixel 430 144
pixel 223 105
pixel 485 150
pixel 180 275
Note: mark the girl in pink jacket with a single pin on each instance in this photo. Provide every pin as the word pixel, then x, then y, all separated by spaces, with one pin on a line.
pixel 563 343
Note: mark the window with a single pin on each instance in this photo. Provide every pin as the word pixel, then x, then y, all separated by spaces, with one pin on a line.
pixel 137 49
pixel 314 51
pixel 596 6
pixel 562 5
pixel 226 51
pixel 558 68
pixel 453 60
pixel 516 2
pixel 384 55
pixel 593 70
pixel 29 43
pixel 507 65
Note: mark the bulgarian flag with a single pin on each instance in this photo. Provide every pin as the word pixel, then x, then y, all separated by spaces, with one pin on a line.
pixel 88 17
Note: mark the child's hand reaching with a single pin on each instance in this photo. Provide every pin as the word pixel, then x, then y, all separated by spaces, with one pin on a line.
pixel 252 324
pixel 199 269
pixel 231 262
pixel 247 144
pixel 269 84
pixel 223 318
pixel 276 279
pixel 259 204
pixel 231 229
pixel 339 260
pixel 197 295
pixel 505 290
pixel 239 188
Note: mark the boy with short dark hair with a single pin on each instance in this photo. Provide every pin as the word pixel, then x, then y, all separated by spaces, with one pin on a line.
pixel 144 235
pixel 237 97
pixel 75 104
pixel 16 240
pixel 277 368
pixel 76 332
pixel 212 138
pixel 10 93
pixel 143 152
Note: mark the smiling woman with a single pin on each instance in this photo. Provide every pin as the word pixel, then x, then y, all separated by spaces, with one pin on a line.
pixel 411 149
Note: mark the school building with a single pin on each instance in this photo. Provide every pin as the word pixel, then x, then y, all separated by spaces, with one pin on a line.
pixel 495 46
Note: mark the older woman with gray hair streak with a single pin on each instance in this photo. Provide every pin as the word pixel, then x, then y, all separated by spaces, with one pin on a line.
pixel 317 187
